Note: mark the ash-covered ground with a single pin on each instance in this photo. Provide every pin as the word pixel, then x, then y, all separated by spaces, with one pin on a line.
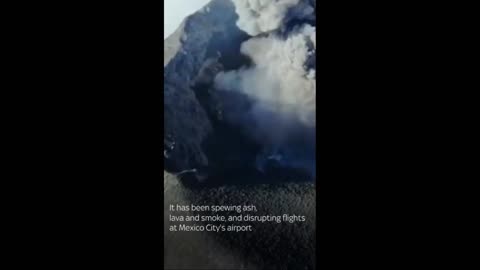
pixel 268 246
pixel 240 127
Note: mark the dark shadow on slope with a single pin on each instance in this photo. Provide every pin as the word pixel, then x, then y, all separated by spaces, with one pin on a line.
pixel 232 154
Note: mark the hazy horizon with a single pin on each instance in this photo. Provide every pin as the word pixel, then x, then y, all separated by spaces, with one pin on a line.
pixel 176 11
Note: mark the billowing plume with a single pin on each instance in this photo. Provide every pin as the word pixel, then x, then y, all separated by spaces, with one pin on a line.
pixel 262 16
pixel 279 82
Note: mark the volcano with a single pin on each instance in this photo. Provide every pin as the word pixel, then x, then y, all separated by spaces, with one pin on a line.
pixel 239 127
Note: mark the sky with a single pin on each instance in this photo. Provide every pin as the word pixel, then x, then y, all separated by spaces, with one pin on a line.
pixel 176 11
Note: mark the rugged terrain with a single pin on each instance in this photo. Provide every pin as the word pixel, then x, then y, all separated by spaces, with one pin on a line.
pixel 210 161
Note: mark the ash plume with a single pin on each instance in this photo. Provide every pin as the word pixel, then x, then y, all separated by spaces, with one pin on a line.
pixel 262 16
pixel 280 82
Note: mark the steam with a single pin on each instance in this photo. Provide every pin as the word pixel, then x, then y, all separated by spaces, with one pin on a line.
pixel 280 83
pixel 262 16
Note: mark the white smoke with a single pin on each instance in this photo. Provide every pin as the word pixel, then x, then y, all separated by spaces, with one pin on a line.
pixel 279 83
pixel 262 16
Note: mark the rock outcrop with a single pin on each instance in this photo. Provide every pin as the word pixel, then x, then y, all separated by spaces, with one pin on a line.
pixel 200 39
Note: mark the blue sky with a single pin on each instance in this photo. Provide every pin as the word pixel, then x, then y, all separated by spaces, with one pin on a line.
pixel 177 10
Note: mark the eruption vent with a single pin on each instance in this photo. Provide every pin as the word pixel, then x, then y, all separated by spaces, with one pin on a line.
pixel 280 82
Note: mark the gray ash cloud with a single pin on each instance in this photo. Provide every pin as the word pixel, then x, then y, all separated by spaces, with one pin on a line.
pixel 262 16
pixel 280 82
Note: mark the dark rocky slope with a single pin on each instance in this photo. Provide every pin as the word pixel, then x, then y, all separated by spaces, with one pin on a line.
pixel 201 37
pixel 196 138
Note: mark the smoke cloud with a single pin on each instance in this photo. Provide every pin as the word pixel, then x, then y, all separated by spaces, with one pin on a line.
pixel 280 82
pixel 262 16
